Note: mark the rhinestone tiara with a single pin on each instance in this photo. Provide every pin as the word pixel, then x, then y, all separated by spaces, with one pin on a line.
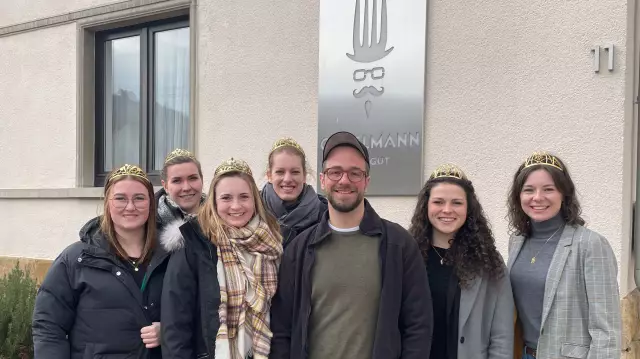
pixel 287 142
pixel 179 152
pixel 543 158
pixel 448 170
pixel 233 165
pixel 128 170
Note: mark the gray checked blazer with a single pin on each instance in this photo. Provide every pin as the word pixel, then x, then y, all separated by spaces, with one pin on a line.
pixel 485 323
pixel 581 307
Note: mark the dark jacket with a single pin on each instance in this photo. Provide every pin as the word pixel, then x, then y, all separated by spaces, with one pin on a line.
pixel 191 293
pixel 89 305
pixel 405 317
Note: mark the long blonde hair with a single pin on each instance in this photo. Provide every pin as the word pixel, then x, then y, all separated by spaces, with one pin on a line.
pixel 107 227
pixel 210 222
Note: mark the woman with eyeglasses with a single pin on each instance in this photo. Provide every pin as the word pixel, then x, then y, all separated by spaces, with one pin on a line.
pixel 294 203
pixel 101 296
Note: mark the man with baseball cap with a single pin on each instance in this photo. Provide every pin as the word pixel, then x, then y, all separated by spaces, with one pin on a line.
pixel 354 285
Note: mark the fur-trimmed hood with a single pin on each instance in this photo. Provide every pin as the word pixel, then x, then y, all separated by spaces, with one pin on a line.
pixel 171 239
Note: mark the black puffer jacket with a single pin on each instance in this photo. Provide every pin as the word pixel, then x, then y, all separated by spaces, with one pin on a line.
pixel 191 293
pixel 89 306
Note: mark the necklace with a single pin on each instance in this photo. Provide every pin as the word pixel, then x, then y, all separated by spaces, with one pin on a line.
pixel 533 259
pixel 135 267
pixel 133 262
pixel 441 259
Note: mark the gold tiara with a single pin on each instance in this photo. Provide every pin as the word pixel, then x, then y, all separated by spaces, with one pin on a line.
pixel 233 165
pixel 287 142
pixel 179 152
pixel 543 158
pixel 128 170
pixel 448 170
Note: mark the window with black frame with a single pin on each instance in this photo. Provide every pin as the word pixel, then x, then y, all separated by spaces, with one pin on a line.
pixel 142 96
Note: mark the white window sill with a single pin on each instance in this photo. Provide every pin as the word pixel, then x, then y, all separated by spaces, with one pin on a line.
pixel 44 193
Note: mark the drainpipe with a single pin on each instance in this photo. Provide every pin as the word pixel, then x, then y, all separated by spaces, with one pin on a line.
pixel 636 233
pixel 636 212
pixel 636 229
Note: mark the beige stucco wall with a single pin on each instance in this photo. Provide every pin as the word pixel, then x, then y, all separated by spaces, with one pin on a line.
pixel 503 79
pixel 38 108
pixel 42 228
pixel 253 93
pixel 507 78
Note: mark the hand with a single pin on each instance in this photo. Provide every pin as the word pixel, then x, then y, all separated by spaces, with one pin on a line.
pixel 151 335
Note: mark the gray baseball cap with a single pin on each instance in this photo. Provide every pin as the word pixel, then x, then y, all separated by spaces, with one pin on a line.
pixel 344 138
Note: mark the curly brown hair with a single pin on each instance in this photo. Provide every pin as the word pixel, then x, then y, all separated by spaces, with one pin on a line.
pixel 519 222
pixel 473 251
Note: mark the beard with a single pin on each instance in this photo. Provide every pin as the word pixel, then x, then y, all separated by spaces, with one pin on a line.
pixel 344 207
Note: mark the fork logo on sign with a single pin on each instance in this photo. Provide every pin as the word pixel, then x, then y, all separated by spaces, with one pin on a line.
pixel 368 47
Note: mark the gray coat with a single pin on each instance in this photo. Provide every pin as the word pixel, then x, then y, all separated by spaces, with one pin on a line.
pixel 485 326
pixel 581 307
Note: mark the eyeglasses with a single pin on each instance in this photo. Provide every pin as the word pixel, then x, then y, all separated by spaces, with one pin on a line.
pixel 138 202
pixel 354 175
pixel 376 73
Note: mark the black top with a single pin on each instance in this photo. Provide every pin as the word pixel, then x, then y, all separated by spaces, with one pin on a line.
pixel 138 275
pixel 445 294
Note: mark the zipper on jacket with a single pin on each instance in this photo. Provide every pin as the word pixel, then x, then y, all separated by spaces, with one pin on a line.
pixel 152 268
pixel 122 280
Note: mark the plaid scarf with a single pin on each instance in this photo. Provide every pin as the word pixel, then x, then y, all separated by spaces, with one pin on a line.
pixel 249 260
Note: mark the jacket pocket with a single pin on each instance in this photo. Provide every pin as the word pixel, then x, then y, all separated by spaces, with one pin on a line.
pixel 90 352
pixel 117 356
pixel 574 350
pixel 202 356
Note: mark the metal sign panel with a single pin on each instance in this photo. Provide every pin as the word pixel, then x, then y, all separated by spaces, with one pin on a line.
pixel 371 83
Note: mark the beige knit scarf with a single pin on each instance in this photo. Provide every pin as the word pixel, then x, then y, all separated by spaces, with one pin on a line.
pixel 250 257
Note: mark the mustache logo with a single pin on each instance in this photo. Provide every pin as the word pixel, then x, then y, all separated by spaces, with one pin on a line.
pixel 371 90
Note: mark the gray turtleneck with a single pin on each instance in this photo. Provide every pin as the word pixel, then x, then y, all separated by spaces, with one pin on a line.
pixel 528 279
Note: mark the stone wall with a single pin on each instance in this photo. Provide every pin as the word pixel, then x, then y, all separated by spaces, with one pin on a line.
pixel 37 267
pixel 631 325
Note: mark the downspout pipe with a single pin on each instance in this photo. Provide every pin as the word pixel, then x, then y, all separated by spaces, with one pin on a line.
pixel 636 235
pixel 636 212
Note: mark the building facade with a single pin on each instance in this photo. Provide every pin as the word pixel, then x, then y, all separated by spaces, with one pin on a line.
pixel 89 84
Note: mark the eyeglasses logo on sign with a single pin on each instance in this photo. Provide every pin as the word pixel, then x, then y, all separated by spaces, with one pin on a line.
pixel 367 48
